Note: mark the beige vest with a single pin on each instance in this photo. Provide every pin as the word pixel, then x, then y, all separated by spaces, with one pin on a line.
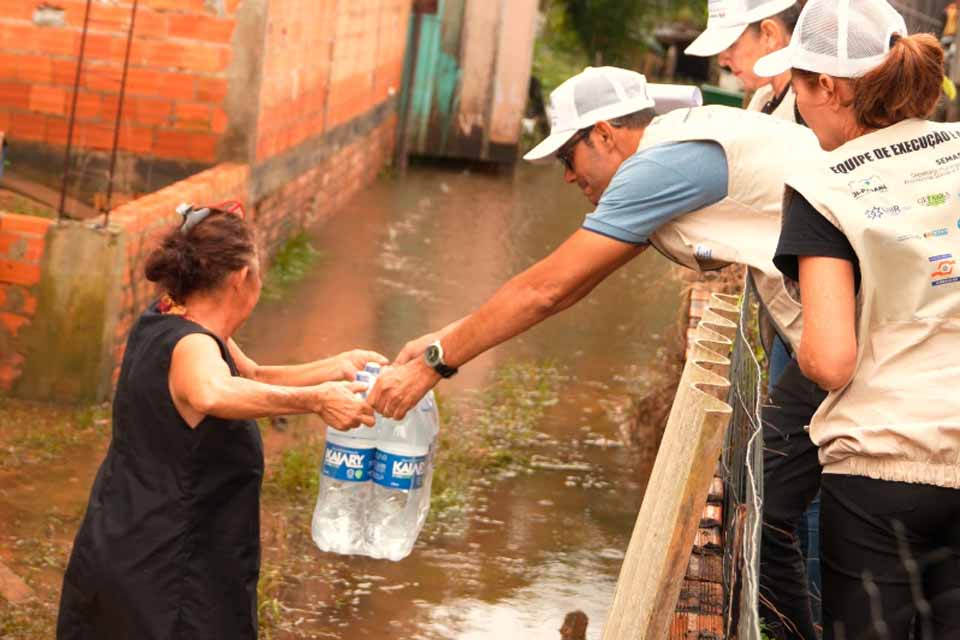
pixel 744 227
pixel 784 110
pixel 894 194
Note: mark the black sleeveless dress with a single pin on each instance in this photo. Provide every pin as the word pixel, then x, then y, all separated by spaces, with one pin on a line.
pixel 169 548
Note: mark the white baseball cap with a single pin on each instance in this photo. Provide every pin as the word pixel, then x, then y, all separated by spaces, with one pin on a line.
pixel 604 93
pixel 727 19
pixel 842 38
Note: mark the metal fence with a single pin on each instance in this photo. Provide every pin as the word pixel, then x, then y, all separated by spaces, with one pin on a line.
pixel 741 470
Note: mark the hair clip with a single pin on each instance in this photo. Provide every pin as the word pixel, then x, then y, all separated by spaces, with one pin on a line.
pixel 191 217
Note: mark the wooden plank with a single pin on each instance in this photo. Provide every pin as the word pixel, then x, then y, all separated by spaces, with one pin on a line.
pixel 12 588
pixel 511 85
pixel 657 557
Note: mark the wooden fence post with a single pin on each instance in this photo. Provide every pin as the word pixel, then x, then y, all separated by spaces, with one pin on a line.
pixel 659 550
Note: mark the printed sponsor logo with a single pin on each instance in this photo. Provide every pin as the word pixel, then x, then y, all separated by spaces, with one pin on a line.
pixel 909 236
pixel 926 235
pixel 703 252
pixel 876 213
pixel 943 270
pixel 860 188
pixel 934 199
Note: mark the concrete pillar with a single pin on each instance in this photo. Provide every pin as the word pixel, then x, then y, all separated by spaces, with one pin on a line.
pixel 69 343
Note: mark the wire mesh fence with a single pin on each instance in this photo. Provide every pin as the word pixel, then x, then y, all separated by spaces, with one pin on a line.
pixel 741 471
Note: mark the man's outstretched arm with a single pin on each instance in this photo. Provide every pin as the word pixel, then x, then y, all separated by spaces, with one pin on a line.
pixel 552 285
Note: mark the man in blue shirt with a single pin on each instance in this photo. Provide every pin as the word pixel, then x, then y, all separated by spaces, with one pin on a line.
pixel 600 118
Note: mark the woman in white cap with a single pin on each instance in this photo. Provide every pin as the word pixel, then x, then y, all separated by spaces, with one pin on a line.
pixel 870 233
pixel 741 32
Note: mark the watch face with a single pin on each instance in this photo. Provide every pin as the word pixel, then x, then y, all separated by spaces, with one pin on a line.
pixel 432 355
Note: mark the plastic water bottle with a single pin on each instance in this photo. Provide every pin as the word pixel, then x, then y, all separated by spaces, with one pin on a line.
pixel 402 474
pixel 340 516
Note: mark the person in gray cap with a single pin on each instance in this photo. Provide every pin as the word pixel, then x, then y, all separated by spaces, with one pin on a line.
pixel 703 185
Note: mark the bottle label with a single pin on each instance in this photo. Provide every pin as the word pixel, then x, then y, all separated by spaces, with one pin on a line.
pixel 346 463
pixel 399 472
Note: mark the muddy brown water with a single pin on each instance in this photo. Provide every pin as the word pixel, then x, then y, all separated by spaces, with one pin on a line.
pixel 405 257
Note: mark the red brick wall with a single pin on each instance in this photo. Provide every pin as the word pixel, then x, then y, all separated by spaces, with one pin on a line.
pixel 144 220
pixel 327 62
pixel 21 249
pixel 321 191
pixel 326 188
pixel 175 89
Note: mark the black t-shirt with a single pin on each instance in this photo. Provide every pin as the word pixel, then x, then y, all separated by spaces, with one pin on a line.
pixel 806 232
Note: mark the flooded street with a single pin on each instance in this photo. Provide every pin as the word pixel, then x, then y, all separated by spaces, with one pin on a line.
pixel 407 257
pixel 540 536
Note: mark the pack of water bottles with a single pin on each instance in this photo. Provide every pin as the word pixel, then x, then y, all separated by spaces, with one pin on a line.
pixel 375 482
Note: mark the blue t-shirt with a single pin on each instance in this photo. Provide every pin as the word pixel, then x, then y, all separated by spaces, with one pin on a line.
pixel 656 185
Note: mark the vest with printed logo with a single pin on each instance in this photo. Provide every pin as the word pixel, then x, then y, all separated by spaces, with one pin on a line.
pixel 894 194
pixel 744 227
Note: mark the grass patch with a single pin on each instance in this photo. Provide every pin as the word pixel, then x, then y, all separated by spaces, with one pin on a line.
pixel 36 433
pixel 296 473
pixel 16 203
pixel 269 612
pixel 495 437
pixel 288 267
pixel 26 622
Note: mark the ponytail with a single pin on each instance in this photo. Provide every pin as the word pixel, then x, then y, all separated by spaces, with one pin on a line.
pixel 906 85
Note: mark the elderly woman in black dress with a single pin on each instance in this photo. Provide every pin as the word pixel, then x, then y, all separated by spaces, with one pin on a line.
pixel 170 544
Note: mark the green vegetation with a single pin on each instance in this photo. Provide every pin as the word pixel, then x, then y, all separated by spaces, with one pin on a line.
pixel 32 620
pixel 288 267
pixel 37 432
pixel 500 427
pixel 295 476
pixel 577 33
pixel 16 203
pixel 268 601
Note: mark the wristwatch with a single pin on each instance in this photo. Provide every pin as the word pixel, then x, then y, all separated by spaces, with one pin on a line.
pixel 434 358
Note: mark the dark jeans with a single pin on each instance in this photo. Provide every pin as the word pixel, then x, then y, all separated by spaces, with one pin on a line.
pixel 791 479
pixel 891 560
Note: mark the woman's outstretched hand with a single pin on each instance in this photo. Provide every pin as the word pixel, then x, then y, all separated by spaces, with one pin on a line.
pixel 349 363
pixel 341 407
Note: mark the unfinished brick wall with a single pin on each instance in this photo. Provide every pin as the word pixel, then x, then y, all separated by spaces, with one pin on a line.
pixel 326 188
pixel 310 124
pixel 323 63
pixel 326 121
pixel 326 63
pixel 176 85
pixel 21 250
